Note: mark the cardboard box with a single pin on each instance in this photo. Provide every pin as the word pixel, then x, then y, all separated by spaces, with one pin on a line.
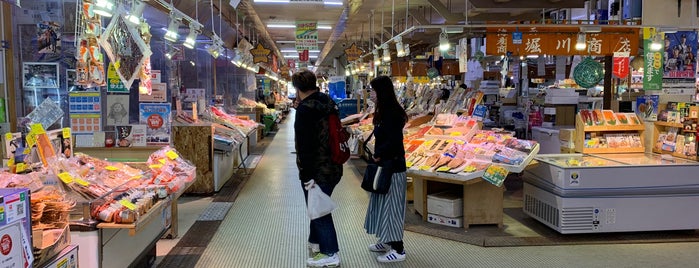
pixel 446 221
pixel 448 204
pixel 13 254
pixel 66 258
pixel 566 134
pixel 567 144
pixel 565 150
pixel 49 243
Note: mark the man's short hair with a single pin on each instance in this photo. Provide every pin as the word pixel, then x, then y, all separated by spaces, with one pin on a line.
pixel 304 81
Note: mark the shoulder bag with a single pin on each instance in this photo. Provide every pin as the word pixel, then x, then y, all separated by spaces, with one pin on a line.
pixel 377 178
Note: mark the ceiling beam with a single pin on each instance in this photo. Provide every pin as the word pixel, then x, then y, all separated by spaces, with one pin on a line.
pixel 443 11
pixel 418 17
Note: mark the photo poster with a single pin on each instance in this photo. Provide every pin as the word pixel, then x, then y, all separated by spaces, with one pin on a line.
pixel 647 107
pixel 679 55
pixel 49 37
pixel 85 109
pixel 158 120
pixel 117 110
pixel 131 135
pixel 159 94
pixel 40 75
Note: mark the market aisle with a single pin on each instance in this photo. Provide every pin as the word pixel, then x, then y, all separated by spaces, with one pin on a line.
pixel 267 227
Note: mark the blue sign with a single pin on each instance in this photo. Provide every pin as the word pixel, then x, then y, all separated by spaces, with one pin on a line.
pixel 517 38
pixel 479 112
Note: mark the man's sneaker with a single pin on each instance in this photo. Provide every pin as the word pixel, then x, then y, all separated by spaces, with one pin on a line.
pixel 379 247
pixel 313 248
pixel 391 256
pixel 322 260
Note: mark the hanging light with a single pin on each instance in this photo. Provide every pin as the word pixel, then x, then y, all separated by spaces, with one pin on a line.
pixel 377 59
pixel 444 41
pixel 581 44
pixel 104 8
pixel 657 44
pixel 170 53
pixel 136 12
pixel 191 39
pixel 216 47
pixel 173 29
pixel 386 54
pixel 400 50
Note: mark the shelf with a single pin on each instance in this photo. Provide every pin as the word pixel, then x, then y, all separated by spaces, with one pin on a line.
pixel 612 150
pixel 153 213
pixel 694 158
pixel 669 124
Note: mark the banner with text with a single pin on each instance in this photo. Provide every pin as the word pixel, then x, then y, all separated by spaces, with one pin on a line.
pixel 306 35
pixel 652 71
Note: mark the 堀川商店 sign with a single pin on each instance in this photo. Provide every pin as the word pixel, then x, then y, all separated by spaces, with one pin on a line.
pixel 560 41
pixel 306 35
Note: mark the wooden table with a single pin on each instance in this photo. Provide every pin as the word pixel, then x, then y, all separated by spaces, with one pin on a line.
pixel 482 201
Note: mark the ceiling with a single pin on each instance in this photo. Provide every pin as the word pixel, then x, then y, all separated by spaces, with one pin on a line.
pixel 364 22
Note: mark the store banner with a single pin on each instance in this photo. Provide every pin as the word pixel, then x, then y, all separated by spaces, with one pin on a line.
pixel 679 54
pixel 621 65
pixel 114 83
pixel 275 64
pixel 260 54
pixel 306 35
pixel 462 53
pixel 291 63
pixel 303 56
pixel 652 71
pixel 560 41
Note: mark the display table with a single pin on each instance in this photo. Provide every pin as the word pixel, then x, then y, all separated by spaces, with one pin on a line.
pixel 132 154
pixel 482 201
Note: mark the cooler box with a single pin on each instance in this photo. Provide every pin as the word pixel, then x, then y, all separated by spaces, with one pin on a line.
pixel 446 204
pixel 68 258
pixel 548 140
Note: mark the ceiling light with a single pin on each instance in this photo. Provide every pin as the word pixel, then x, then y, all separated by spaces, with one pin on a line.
pixel 377 59
pixel 296 51
pixel 297 56
pixel 400 51
pixel 104 8
pixel 591 29
pixel 192 63
pixel 294 42
pixel 581 44
pixel 170 53
pixel 216 47
pixel 136 12
pixel 324 27
pixel 444 41
pixel 191 39
pixel 321 27
pixel 272 1
pixel 386 54
pixel 333 3
pixel 173 29
pixel 347 72
pixel 657 44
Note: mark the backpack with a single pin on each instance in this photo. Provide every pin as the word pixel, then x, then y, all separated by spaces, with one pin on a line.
pixel 338 140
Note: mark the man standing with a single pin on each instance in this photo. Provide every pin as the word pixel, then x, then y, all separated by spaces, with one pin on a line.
pixel 313 159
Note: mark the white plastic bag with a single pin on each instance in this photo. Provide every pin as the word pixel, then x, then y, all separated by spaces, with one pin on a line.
pixel 319 203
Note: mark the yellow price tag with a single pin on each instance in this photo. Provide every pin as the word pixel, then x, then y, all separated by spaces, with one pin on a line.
pixel 66 177
pixel 408 164
pixel 460 142
pixel 20 167
pixel 137 177
pixel 127 204
pixel 172 155
pixel 425 167
pixel 8 136
pixel 2 209
pixel 11 162
pixel 26 151
pixel 31 139
pixel 66 132
pixel 155 166
pixel 37 129
pixel 470 169
pixel 443 169
pixel 162 161
pixel 455 134
pixel 82 182
pixel 111 168
pixel 450 141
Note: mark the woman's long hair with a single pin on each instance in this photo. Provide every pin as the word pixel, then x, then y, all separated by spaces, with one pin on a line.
pixel 387 105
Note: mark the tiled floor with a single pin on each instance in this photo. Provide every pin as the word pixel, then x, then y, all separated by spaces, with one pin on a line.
pixel 267 227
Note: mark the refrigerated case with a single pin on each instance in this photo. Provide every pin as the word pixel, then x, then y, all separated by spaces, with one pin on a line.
pixel 578 193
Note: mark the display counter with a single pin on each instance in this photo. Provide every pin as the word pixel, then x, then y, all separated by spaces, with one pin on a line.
pixel 587 193
pixel 133 154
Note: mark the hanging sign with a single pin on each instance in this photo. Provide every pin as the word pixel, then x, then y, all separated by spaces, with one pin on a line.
pixel 291 63
pixel 462 53
pixel 559 41
pixel 621 64
pixel 353 52
pixel 517 38
pixel 275 64
pixel 260 54
pixel 306 35
pixel 114 83
pixel 303 56
pixel 652 71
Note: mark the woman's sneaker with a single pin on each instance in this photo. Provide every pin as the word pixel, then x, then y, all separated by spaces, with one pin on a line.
pixel 391 256
pixel 322 260
pixel 379 247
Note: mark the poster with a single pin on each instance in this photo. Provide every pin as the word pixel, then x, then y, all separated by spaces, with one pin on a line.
pixel 193 94
pixel 49 37
pixel 157 118
pixel 40 75
pixel 647 107
pixel 131 135
pixel 114 83
pixel 159 94
pixel 85 109
pixel 117 110
pixel 306 35
pixel 652 70
pixel 679 54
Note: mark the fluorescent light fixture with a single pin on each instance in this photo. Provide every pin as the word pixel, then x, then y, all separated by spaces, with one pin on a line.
pixel 296 51
pixel 532 56
pixel 173 29
pixel 321 27
pixel 377 59
pixel 272 1
pixel 136 12
pixel 581 44
pixel 333 3
pixel 104 8
pixel 386 54
pixel 668 29
pixel 324 27
pixel 400 50
pixel 294 42
pixel 297 56
pixel 191 39
pixel 444 41
pixel 591 29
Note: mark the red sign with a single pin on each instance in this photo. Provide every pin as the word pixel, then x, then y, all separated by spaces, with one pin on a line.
pixel 155 121
pixel 275 64
pixel 303 56
pixel 621 65
pixel 291 63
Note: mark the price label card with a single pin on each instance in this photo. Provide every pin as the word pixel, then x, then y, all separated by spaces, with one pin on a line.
pixel 66 132
pixel 460 142
pixel 82 182
pixel 37 129
pixel 8 136
pixel 111 168
pixel 172 155
pixel 408 164
pixel 162 161
pixel 66 177
pixel 137 177
pixel 128 204
pixel 443 169
pixel 456 134
pixel 425 167
pixel 495 175
pixel 20 167
pixel 155 166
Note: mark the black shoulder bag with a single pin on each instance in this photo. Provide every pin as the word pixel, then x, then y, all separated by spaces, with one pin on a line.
pixel 377 177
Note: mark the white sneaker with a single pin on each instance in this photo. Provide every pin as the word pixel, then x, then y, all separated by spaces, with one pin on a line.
pixel 391 256
pixel 379 247
pixel 322 260
pixel 314 248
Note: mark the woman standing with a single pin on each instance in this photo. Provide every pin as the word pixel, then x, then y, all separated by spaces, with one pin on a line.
pixel 385 216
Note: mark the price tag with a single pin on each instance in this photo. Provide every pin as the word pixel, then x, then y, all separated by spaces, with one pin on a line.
pixel 31 140
pixel 37 129
pixel 127 204
pixel 162 161
pixel 11 162
pixel 443 169
pixel 460 142
pixel 8 136
pixel 155 166
pixel 495 175
pixel 470 169
pixel 20 167
pixel 137 177
pixel 66 177
pixel 455 134
pixel 66 132
pixel 27 151
pixel 111 168
pixel 172 155
pixel 425 167
pixel 82 182
pixel 408 164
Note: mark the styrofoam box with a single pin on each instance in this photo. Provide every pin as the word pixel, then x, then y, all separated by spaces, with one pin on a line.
pixel 447 221
pixel 561 100
pixel 561 92
pixel 447 204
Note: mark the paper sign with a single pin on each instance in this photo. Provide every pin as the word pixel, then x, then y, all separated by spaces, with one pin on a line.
pixel 66 177
pixel 81 182
pixel 443 169
pixel 128 204
pixel 172 155
pixel 495 175
pixel 111 168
